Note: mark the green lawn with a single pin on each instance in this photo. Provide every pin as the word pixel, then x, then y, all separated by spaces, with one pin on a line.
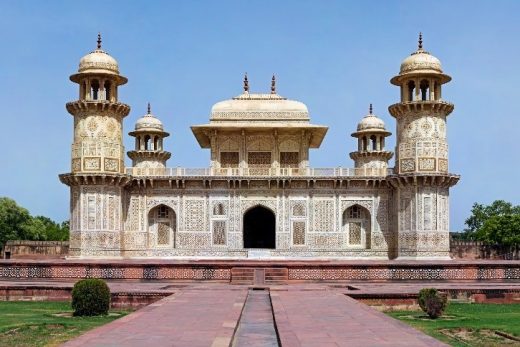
pixel 24 323
pixel 466 324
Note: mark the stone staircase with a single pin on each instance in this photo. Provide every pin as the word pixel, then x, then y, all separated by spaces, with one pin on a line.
pixel 259 276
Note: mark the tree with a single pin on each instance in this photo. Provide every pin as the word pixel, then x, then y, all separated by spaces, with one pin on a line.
pixel 497 225
pixel 17 224
pixel 13 219
pixel 480 213
pixel 500 229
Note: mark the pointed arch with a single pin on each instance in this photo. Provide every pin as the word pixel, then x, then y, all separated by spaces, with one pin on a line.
pixel 357 226
pixel 162 226
pixel 259 227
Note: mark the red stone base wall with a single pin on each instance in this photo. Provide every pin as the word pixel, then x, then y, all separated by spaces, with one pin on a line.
pixel 295 271
pixel 118 300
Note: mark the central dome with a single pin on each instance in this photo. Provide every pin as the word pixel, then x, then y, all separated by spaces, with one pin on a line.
pixel 259 107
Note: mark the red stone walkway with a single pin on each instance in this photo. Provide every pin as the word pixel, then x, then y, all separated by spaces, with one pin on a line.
pixel 189 318
pixel 329 318
pixel 209 315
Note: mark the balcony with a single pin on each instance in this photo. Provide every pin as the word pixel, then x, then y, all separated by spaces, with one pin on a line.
pixel 258 172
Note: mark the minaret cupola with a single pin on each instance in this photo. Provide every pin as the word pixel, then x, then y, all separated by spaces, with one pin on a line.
pixel 98 76
pixel 371 134
pixel 149 134
pixel 98 115
pixel 421 114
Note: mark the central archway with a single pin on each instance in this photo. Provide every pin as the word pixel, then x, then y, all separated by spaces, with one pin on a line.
pixel 259 228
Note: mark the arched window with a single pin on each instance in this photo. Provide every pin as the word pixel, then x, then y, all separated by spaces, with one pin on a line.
pixel 411 90
pixel 156 143
pixel 94 90
pixel 356 225
pixel 425 90
pixel 162 225
pixel 364 144
pixel 108 90
pixel 298 210
pixel 374 142
pixel 147 143
pixel 219 210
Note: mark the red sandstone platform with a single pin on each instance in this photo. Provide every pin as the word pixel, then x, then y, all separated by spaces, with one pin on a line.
pixel 248 271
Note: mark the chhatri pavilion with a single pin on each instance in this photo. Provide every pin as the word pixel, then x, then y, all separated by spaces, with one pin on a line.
pixel 260 197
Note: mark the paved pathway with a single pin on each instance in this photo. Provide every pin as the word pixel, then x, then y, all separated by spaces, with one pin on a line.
pixel 329 318
pixel 189 318
pixel 218 316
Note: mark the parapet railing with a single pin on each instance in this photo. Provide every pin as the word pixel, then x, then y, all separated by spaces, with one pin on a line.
pixel 253 171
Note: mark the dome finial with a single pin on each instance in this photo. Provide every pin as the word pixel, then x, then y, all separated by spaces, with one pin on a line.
pixel 370 109
pixel 99 40
pixel 149 109
pixel 273 85
pixel 246 83
pixel 420 41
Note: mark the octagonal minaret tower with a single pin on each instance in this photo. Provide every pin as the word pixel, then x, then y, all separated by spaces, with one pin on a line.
pixel 149 134
pixel 97 167
pixel 421 175
pixel 371 153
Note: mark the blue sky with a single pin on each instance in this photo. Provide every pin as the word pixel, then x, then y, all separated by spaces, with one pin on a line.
pixel 335 56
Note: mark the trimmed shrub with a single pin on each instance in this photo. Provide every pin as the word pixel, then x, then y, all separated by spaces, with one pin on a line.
pixel 90 297
pixel 432 302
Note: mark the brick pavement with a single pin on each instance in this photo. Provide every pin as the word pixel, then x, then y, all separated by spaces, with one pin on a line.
pixel 190 318
pixel 209 315
pixel 329 318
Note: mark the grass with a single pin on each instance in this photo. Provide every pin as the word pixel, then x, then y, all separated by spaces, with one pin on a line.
pixel 30 323
pixel 465 324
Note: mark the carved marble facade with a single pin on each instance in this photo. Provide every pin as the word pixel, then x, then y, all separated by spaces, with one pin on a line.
pixel 259 166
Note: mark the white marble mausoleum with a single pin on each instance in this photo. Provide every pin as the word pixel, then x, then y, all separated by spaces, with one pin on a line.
pixel 259 195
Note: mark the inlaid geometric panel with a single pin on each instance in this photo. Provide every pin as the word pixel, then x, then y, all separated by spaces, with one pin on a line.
pixel 354 233
pixel 195 216
pixel 289 159
pixel 323 215
pixel 91 211
pixel 298 209
pixel 259 159
pixel 298 232
pixel 163 233
pixel 219 232
pixel 427 213
pixel 229 159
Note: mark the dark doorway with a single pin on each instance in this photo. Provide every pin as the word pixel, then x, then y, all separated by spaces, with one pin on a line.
pixel 259 228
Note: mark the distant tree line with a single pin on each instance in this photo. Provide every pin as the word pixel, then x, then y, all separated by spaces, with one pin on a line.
pixel 495 224
pixel 16 223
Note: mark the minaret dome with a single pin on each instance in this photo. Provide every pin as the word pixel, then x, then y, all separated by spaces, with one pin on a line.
pixel 149 134
pixel 371 134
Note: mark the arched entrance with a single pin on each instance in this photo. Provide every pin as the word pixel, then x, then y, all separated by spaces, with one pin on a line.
pixel 259 228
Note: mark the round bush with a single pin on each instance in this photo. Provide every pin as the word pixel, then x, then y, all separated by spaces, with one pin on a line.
pixel 90 297
pixel 432 302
